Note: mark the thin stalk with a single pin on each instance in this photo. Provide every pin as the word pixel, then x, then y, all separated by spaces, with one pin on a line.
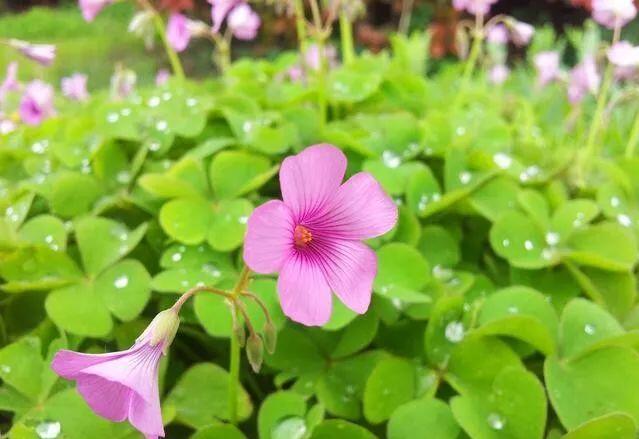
pixel 300 25
pixel 597 122
pixel 473 57
pixel 405 17
pixel 634 138
pixel 321 72
pixel 196 290
pixel 174 60
pixel 346 38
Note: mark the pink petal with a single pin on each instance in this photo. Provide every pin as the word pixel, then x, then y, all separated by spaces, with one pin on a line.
pixel 304 294
pixel 69 364
pixel 269 237
pixel 360 210
pixel 310 178
pixel 350 268
pixel 146 416
pixel 106 398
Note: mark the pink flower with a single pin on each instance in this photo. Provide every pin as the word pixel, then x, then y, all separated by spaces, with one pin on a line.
pixel 244 22
pixel 498 74
pixel 613 13
pixel 37 103
pixel 584 79
pixel 124 385
pixel 123 82
pixel 624 54
pixel 177 32
pixel 6 125
pixel 91 8
pixel 547 65
pixel 162 77
pixel 312 57
pixel 41 53
pixel 10 82
pixel 74 87
pixel 521 32
pixel 313 237
pixel 219 10
pixel 497 34
pixel 475 7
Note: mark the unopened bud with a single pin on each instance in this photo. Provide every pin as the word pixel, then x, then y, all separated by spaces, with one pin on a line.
pixel 270 337
pixel 142 25
pixel 255 352
pixel 163 329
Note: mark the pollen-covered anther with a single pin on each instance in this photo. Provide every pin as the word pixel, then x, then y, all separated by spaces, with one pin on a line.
pixel 302 236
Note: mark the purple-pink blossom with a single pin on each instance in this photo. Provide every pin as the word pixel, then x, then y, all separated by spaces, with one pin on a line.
pixel 521 33
pixel 177 32
pixel 10 82
pixel 613 13
pixel 91 8
pixel 475 7
pixel 313 237
pixel 498 74
pixel 36 104
pixel 244 22
pixel 497 34
pixel 624 54
pixel 219 10
pixel 584 79
pixel 123 385
pixel 41 53
pixel 548 67
pixel 74 87
pixel 162 77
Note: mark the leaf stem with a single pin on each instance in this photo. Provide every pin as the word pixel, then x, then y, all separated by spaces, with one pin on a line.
pixel 346 38
pixel 473 57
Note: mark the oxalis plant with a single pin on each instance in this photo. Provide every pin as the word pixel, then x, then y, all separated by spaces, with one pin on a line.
pixel 455 256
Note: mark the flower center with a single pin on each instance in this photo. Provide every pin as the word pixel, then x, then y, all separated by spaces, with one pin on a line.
pixel 302 236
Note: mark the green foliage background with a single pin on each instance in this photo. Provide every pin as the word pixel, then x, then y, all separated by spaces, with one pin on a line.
pixel 504 307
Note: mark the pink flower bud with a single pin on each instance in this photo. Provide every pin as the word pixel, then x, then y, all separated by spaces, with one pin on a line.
pixel 91 8
pixel 41 53
pixel 244 22
pixel 613 13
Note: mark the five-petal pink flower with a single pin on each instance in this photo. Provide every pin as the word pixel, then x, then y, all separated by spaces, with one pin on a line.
pixel 91 8
pixel 584 79
pixel 36 104
pixel 244 22
pixel 313 237
pixel 219 10
pixel 124 385
pixel 74 87
pixel 613 13
pixel 475 7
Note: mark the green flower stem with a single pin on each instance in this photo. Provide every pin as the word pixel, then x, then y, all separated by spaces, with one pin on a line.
pixel 174 60
pixel 321 72
pixel 591 149
pixel 346 38
pixel 473 58
pixel 300 24
pixel 634 138
pixel 234 366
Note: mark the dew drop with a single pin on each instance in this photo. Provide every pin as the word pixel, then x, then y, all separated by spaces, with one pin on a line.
pixel 112 117
pixel 454 332
pixel 161 125
pixel 154 146
pixel 212 270
pixel 191 102
pixel 624 220
pixel 589 328
pixel 496 422
pixel 528 245
pixel 391 160
pixel 243 219
pixel 552 238
pixel 460 131
pixel 39 147
pixel 615 202
pixel 465 177
pixel 5 369
pixel 513 309
pixel 154 101
pixel 506 243
pixel 502 160
pixel 123 177
pixel 125 112
pixel 121 282
pixel 166 96
pixel 48 429
pixel 176 257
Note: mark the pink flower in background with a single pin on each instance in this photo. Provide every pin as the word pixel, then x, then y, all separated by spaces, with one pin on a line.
pixel 37 103
pixel 6 125
pixel 177 32
pixel 613 13
pixel 74 87
pixel 497 34
pixel 41 53
pixel 313 237
pixel 584 79
pixel 624 54
pixel 312 57
pixel 498 74
pixel 521 33
pixel 548 67
pixel 219 10
pixel 244 22
pixel 10 82
pixel 475 7
pixel 123 82
pixel 124 385
pixel 162 77
pixel 91 8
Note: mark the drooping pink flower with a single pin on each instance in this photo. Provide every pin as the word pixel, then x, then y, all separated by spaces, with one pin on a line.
pixel 10 82
pixel 219 10
pixel 548 67
pixel 162 77
pixel 74 87
pixel 244 22
pixel 41 53
pixel 91 8
pixel 313 237
pixel 36 104
pixel 475 7
pixel 624 54
pixel 498 74
pixel 123 385
pixel 613 13
pixel 177 32
pixel 584 79
pixel 521 33
pixel 497 34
